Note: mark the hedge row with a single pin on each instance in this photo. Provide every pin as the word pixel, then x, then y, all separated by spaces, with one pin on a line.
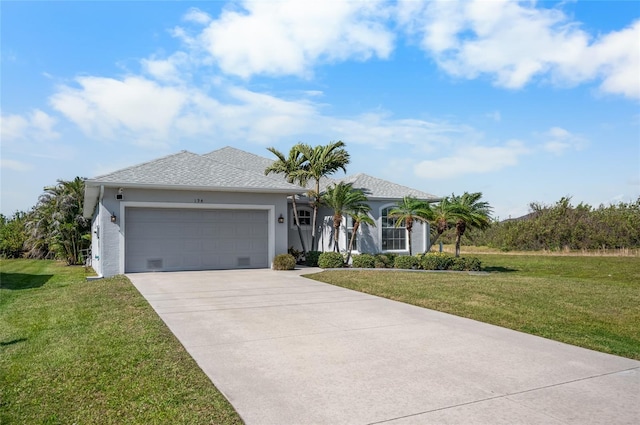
pixel 430 261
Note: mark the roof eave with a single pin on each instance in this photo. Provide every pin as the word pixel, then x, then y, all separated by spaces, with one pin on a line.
pixel 130 185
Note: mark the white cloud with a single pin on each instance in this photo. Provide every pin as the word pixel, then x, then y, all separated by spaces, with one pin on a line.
pixel 10 164
pixel 197 16
pixel 102 107
pixel 516 42
pixel 135 110
pixel 560 140
pixel 37 126
pixel 472 160
pixel 290 37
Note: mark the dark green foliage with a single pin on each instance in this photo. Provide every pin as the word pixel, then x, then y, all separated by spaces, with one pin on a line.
pixel 466 264
pixel 13 235
pixel 563 226
pixel 311 258
pixel 436 261
pixel 385 260
pixel 298 255
pixel 406 262
pixel 284 262
pixel 56 226
pixel 331 260
pixel 364 261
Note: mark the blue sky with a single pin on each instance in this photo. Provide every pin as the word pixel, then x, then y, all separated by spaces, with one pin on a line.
pixel 522 101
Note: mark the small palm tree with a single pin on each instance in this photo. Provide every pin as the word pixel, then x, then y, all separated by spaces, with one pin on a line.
pixel 445 214
pixel 343 198
pixel 290 167
pixel 410 210
pixel 318 162
pixel 358 217
pixel 471 212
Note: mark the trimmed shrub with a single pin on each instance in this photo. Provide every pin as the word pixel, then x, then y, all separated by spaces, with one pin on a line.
pixel 284 262
pixel 383 261
pixel 364 261
pixel 473 264
pixel 406 262
pixel 458 264
pixel 331 260
pixel 311 259
pixel 436 261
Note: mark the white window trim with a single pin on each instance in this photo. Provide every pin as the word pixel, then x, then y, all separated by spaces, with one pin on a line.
pixel 406 236
pixel 302 226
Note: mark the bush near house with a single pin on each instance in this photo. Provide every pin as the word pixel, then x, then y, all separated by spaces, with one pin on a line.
pixel 331 260
pixel 284 262
pixel 364 261
pixel 406 262
pixel 311 258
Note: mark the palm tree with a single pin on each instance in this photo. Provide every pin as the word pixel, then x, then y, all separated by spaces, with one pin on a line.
pixel 358 216
pixel 318 162
pixel 471 213
pixel 445 213
pixel 56 225
pixel 409 210
pixel 343 198
pixel 291 168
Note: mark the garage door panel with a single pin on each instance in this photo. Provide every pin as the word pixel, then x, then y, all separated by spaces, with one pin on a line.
pixel 170 239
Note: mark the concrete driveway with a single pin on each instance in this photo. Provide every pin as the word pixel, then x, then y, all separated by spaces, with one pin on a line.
pixel 288 350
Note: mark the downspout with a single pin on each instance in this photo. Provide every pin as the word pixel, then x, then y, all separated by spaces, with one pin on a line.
pixel 100 276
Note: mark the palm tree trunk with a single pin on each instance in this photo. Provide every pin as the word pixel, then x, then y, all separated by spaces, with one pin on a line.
pixel 296 218
pixel 461 226
pixel 356 224
pixel 314 242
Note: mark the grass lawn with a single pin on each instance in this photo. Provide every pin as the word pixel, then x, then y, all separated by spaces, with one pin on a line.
pixel 73 351
pixel 589 301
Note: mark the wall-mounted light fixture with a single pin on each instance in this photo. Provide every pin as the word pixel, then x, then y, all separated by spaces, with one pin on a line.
pixel 113 218
pixel 281 219
pixel 119 196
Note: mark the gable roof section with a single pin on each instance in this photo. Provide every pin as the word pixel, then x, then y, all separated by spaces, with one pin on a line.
pixel 246 160
pixel 187 170
pixel 376 188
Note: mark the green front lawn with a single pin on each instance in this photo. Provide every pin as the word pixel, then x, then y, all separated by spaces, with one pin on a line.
pixel 592 302
pixel 73 351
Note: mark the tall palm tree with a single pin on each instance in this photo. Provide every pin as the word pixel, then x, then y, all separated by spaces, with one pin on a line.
pixel 343 198
pixel 410 210
pixel 318 162
pixel 472 212
pixel 358 217
pixel 290 167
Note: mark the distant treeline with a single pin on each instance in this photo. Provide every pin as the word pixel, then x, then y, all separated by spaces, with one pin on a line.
pixel 564 226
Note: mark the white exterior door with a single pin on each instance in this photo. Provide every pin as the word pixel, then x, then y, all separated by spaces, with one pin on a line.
pixel 166 239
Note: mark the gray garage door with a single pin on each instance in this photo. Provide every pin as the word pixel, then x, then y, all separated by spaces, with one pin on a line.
pixel 160 239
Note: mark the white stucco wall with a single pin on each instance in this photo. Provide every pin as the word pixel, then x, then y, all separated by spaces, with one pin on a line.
pixel 369 237
pixel 113 234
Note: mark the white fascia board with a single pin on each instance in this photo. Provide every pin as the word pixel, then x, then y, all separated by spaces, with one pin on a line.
pixel 202 188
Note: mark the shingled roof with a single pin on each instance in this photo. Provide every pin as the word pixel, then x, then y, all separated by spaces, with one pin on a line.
pixel 228 169
pixel 376 188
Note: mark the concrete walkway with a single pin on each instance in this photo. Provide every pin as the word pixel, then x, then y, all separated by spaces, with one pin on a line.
pixel 288 350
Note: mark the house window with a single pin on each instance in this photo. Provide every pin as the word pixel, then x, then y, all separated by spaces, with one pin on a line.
pixel 393 238
pixel 304 215
pixel 349 233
